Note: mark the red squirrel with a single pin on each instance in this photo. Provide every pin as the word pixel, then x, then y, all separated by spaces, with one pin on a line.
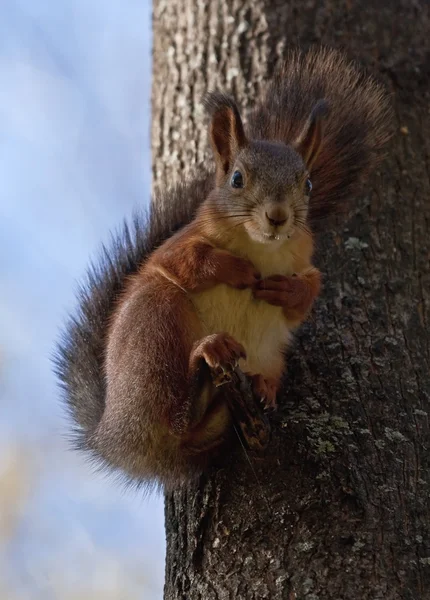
pixel 220 275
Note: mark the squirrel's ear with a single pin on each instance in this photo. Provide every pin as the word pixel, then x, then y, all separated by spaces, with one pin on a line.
pixel 308 143
pixel 226 130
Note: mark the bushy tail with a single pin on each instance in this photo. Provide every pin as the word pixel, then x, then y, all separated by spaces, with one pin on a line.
pixel 79 355
pixel 356 129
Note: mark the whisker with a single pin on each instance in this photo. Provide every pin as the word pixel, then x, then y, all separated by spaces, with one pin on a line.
pixel 303 227
pixel 242 221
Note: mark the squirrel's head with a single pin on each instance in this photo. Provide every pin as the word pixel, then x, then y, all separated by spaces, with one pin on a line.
pixel 264 186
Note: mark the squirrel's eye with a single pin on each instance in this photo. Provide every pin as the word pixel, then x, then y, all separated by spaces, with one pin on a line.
pixel 237 180
pixel 308 186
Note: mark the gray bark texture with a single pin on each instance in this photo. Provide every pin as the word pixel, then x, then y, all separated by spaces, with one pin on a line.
pixel 339 506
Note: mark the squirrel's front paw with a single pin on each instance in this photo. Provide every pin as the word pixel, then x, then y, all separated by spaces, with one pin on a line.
pixel 266 389
pixel 239 273
pixel 221 353
pixel 288 292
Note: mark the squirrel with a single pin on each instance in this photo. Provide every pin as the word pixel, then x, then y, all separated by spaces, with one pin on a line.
pixel 220 274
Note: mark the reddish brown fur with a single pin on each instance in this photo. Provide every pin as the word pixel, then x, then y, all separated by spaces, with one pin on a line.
pixel 195 264
pixel 158 296
pixel 169 368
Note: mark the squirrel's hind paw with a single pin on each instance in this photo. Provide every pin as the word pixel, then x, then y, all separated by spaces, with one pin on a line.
pixel 221 353
pixel 266 389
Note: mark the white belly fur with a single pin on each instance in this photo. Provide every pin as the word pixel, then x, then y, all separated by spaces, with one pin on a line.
pixel 260 327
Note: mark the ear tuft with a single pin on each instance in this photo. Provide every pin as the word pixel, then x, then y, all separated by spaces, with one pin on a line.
pixel 308 143
pixel 226 130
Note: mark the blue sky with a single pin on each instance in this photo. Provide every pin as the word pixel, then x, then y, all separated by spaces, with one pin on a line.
pixel 74 160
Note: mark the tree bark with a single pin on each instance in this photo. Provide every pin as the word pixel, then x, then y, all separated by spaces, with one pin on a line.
pixel 339 506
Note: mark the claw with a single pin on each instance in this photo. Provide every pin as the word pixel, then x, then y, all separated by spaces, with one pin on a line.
pixel 222 354
pixel 266 406
pixel 219 382
pixel 222 377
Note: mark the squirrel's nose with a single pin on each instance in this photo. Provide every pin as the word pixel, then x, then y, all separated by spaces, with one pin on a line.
pixel 276 216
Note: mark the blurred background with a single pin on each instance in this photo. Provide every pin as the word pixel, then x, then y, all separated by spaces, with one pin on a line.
pixel 74 160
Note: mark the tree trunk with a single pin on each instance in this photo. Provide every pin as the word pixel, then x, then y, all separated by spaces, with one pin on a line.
pixel 339 507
